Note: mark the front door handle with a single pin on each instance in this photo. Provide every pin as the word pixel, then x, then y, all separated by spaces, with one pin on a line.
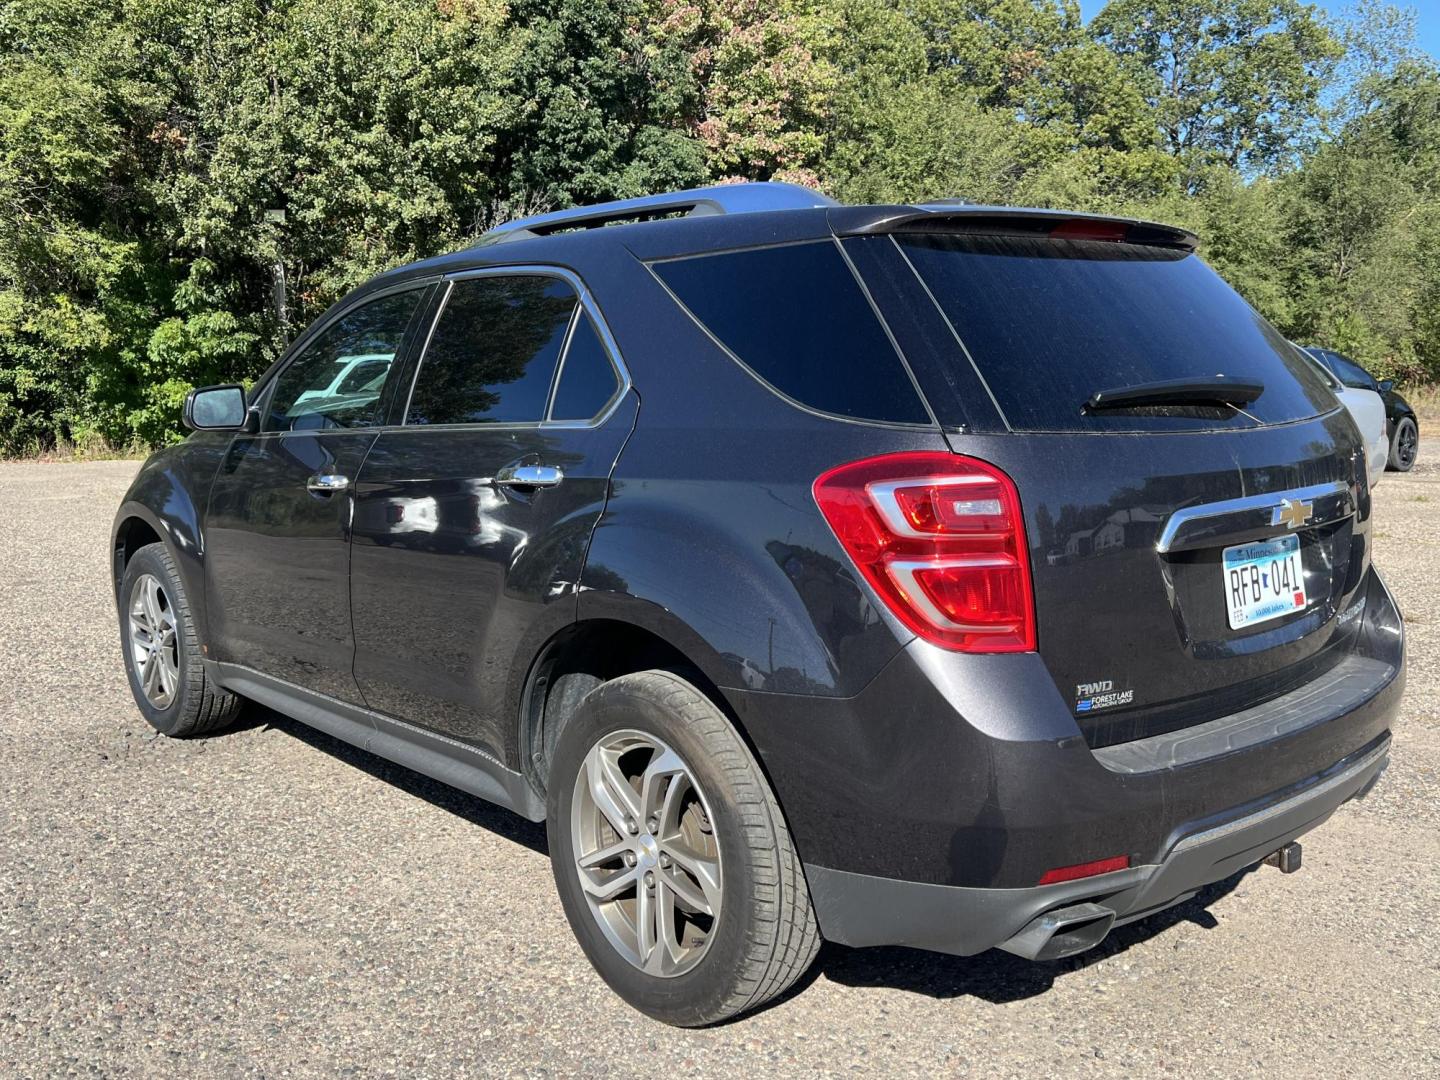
pixel 538 476
pixel 327 483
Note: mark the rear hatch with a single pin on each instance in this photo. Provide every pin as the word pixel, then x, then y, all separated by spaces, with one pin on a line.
pixel 1191 556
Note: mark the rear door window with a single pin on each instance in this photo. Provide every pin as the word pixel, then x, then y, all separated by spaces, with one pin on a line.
pixel 492 355
pixel 796 317
pixel 1048 322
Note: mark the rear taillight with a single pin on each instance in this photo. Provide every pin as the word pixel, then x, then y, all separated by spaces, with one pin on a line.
pixel 940 538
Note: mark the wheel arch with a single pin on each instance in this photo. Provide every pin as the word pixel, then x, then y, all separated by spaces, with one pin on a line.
pixel 137 526
pixel 581 656
pixel 163 504
pixel 132 532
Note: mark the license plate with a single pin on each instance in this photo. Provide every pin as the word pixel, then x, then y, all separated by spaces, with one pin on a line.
pixel 1263 581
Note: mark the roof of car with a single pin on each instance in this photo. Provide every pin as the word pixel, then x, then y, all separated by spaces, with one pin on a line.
pixel 546 237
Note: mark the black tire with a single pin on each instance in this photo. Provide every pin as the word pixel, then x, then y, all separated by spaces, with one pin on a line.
pixel 197 706
pixel 765 937
pixel 1404 446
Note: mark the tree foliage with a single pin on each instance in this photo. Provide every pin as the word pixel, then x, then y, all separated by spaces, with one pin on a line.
pixel 1232 82
pixel 169 169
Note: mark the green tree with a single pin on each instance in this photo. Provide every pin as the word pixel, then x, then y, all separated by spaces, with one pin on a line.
pixel 1362 217
pixel 600 104
pixel 1233 82
pixel 170 168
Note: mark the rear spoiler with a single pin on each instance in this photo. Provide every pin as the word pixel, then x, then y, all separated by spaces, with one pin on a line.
pixel 958 217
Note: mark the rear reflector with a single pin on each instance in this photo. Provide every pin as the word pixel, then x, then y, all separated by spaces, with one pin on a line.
pixel 940 538
pixel 1085 869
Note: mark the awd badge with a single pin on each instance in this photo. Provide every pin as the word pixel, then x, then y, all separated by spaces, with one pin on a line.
pixel 1090 696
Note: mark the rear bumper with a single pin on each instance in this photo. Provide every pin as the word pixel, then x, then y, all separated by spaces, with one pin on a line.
pixel 927 807
pixel 860 909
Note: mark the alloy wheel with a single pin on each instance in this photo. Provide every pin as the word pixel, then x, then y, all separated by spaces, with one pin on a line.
pixel 646 853
pixel 1409 444
pixel 154 641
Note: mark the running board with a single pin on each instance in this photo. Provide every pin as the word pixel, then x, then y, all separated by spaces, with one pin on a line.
pixel 429 753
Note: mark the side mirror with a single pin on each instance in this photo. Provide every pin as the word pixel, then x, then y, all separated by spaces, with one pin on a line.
pixel 215 408
pixel 1386 385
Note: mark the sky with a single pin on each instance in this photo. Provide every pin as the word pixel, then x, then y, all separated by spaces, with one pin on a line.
pixel 1427 23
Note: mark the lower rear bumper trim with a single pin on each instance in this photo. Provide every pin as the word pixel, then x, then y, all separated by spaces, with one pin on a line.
pixel 861 910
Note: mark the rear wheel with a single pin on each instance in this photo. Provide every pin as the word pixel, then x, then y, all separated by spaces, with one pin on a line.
pixel 157 632
pixel 1404 446
pixel 673 861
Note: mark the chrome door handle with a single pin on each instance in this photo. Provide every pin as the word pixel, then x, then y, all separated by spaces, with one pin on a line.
pixel 327 483
pixel 529 476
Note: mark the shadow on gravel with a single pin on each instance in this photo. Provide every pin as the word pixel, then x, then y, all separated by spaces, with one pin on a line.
pixel 477 811
pixel 995 976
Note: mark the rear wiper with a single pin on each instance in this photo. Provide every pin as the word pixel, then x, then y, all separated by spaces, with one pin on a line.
pixel 1216 390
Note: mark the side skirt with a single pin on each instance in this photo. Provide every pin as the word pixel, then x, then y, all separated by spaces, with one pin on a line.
pixel 450 761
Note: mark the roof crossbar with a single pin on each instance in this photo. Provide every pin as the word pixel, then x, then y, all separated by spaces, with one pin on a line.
pixel 696 202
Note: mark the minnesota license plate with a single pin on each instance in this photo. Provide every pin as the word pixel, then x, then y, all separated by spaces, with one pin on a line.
pixel 1263 581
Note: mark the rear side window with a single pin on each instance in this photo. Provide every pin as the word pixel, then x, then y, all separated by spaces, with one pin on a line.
pixel 795 316
pixel 1317 358
pixel 587 378
pixel 492 355
pixel 1049 322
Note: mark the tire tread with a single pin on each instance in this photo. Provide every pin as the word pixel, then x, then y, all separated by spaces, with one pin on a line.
pixel 783 936
pixel 204 705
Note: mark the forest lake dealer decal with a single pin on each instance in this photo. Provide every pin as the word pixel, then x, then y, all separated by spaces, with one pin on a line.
pixel 1090 696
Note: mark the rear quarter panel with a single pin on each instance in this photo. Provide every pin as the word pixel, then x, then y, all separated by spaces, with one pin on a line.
pixel 711 537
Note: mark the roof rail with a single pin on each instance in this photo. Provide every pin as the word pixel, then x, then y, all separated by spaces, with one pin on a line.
pixel 696 202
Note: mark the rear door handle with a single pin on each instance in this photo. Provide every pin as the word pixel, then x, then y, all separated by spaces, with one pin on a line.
pixel 539 476
pixel 327 483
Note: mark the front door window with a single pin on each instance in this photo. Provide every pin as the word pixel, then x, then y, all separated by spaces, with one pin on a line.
pixel 337 380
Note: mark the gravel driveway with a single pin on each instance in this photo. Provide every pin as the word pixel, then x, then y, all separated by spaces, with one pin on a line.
pixel 271 902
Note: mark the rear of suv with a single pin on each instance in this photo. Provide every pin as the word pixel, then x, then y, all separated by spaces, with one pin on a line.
pixel 949 576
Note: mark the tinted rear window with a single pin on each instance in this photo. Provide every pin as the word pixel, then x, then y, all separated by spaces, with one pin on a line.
pixel 587 378
pixel 492 355
pixel 1349 372
pixel 795 316
pixel 1049 322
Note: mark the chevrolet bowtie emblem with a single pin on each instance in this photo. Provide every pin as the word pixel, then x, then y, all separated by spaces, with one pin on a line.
pixel 1292 513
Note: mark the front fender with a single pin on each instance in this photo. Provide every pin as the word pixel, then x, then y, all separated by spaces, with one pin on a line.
pixel 168 495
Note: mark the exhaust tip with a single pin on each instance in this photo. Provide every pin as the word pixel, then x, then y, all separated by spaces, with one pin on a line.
pixel 1062 932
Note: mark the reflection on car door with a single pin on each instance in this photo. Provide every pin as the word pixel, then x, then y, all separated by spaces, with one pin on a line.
pixel 277 536
pixel 471 521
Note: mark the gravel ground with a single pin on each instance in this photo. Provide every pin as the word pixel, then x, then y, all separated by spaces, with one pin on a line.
pixel 271 902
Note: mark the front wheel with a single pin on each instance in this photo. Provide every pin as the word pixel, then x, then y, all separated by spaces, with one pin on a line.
pixel 672 858
pixel 1404 446
pixel 157 632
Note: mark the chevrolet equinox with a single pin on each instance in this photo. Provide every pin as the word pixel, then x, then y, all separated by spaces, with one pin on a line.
pixel 948 576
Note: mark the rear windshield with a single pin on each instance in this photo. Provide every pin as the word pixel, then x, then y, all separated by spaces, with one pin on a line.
pixel 1047 323
pixel 1347 371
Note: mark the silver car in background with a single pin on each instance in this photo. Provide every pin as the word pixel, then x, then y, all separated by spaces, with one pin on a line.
pixel 1367 409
